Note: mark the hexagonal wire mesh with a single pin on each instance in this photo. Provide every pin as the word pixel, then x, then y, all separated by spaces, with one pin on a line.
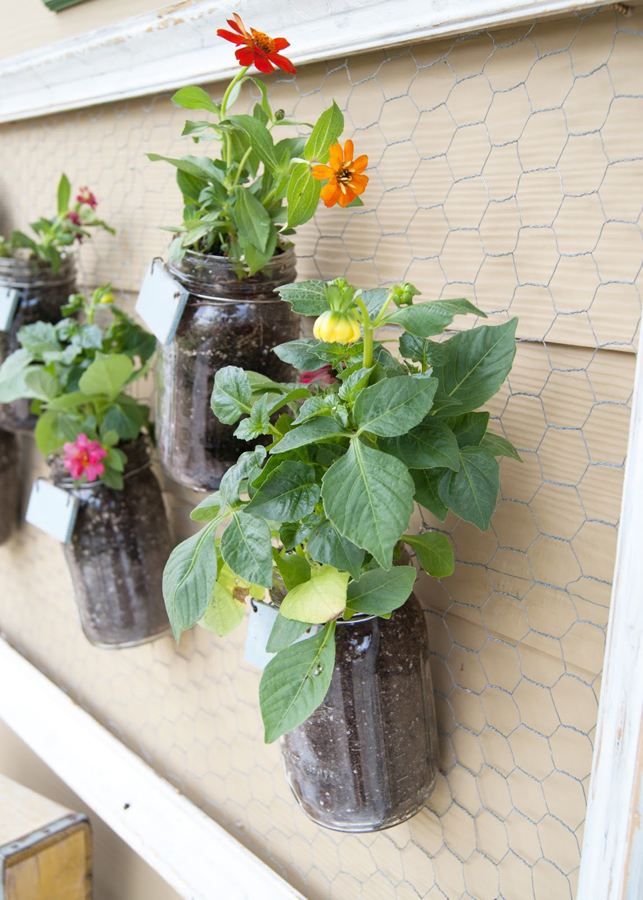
pixel 506 167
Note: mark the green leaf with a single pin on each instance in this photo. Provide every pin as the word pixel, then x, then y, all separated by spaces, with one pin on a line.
pixel 256 259
pixel 284 633
pixel 302 196
pixel 318 600
pixel 246 548
pixel 260 139
pixel 295 682
pixel 426 491
pixel 207 509
pixel 231 394
pixel 257 423
pixel 293 533
pixel 433 551
pixel 325 133
pixel 421 350
pixel 289 493
pixel 309 298
pixel 379 592
pixel 327 545
pixel 301 353
pixel 472 492
pixel 38 338
pixel 107 375
pixel 53 429
pixel 40 384
pixel 189 578
pixel 293 568
pixel 394 406
pixel 426 319
pixel 252 219
pixel 315 431
pixel 477 364
pixel 429 444
pixel 246 467
pixel 223 613
pixel 64 195
pixel 499 446
pixel 200 167
pixel 194 98
pixel 368 496
pixel 469 428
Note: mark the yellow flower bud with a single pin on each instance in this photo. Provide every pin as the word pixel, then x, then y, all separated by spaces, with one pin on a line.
pixel 336 327
pixel 108 298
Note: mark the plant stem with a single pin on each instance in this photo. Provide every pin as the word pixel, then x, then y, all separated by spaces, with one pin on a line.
pixel 368 333
pixel 240 168
pixel 234 81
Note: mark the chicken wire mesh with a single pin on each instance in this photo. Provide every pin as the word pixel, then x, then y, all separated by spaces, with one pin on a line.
pixel 506 167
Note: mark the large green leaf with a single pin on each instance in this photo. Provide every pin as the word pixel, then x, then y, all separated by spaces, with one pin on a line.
pixel 231 394
pixel 40 384
pixel 189 578
pixel 379 592
pixel 302 196
pixel 312 432
pixel 429 444
pixel 260 139
pixel 296 681
pixel 428 353
pixel 426 319
pixel 284 633
pixel 426 490
pixel 288 494
pixel 207 509
pixel 252 219
pixel 309 298
pixel 477 364
pixel 246 548
pixel 227 606
pixel 472 492
pixel 499 446
pixel 327 545
pixel 326 132
pixel 395 405
pixel 53 429
pixel 106 375
pixel 64 195
pixel 246 467
pixel 303 354
pixel 199 167
pixel 434 552
pixel 257 423
pixel 470 428
pixel 368 496
pixel 293 568
pixel 318 600
pixel 126 417
pixel 194 98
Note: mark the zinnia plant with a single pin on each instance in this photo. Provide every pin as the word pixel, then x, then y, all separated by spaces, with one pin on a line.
pixel 53 236
pixel 76 374
pixel 257 189
pixel 314 523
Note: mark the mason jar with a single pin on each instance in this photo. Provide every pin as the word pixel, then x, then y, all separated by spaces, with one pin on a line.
pixel 119 547
pixel 9 485
pixel 41 294
pixel 368 757
pixel 228 321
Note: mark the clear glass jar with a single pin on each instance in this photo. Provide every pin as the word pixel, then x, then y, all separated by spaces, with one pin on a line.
pixel 40 297
pixel 227 321
pixel 119 547
pixel 9 485
pixel 368 758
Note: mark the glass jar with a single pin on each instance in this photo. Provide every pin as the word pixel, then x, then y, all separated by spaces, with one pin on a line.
pixel 367 759
pixel 120 544
pixel 227 321
pixel 9 485
pixel 40 297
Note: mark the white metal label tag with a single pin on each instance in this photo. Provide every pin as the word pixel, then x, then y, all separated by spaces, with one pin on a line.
pixel 52 510
pixel 161 302
pixel 8 303
pixel 262 618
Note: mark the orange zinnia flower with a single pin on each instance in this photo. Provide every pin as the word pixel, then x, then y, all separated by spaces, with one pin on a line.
pixel 259 48
pixel 345 174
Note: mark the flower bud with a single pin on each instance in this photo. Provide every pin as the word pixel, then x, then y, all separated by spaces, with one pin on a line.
pixel 337 327
pixel 402 294
pixel 279 115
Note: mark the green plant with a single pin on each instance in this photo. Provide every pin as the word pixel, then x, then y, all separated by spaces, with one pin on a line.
pixel 240 202
pixel 76 374
pixel 54 235
pixel 326 506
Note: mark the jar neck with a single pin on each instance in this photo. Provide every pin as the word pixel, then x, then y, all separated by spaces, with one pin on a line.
pixel 223 280
pixel 34 273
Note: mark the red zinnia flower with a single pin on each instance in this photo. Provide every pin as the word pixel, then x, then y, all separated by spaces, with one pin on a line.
pixel 86 196
pixel 83 457
pixel 345 174
pixel 259 48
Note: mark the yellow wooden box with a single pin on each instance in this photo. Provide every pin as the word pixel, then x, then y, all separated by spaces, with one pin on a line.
pixel 45 849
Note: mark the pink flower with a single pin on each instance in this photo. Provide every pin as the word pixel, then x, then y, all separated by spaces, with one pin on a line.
pixel 74 218
pixel 83 457
pixel 86 196
pixel 322 377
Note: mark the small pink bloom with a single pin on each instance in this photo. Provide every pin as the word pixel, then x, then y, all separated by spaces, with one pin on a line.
pixel 86 196
pixel 83 457
pixel 323 376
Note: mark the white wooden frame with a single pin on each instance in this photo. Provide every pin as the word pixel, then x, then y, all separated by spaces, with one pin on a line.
pixel 197 857
pixel 178 45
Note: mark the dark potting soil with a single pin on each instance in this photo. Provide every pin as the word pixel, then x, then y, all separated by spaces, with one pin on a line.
pixel 41 296
pixel 9 485
pixel 367 759
pixel 119 547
